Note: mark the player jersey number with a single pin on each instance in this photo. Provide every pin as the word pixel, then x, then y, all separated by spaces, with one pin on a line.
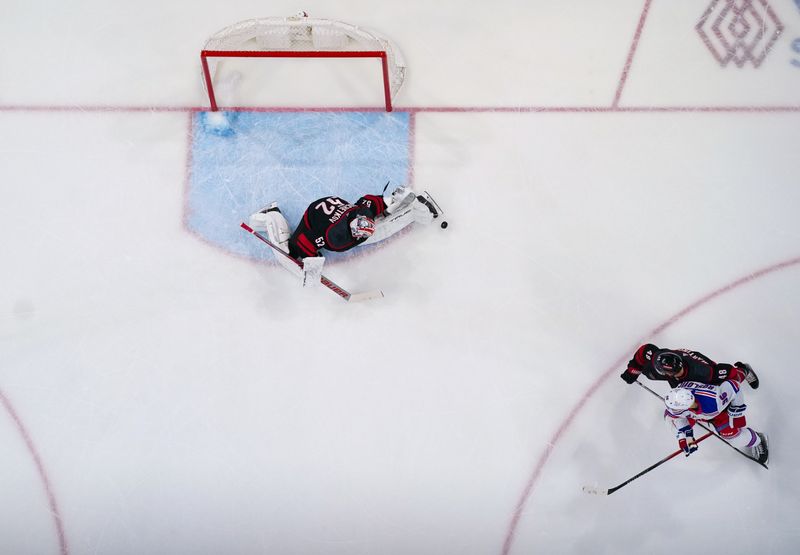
pixel 328 206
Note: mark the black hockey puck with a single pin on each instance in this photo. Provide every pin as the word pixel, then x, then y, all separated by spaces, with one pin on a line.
pixel 444 225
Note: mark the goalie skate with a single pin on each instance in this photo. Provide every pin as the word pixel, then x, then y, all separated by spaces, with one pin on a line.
pixel 426 199
pixel 258 220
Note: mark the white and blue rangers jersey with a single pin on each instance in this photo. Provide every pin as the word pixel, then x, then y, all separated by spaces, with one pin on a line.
pixel 711 400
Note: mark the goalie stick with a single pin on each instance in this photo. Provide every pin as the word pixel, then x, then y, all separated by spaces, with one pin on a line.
pixel 609 491
pixel 343 293
pixel 709 430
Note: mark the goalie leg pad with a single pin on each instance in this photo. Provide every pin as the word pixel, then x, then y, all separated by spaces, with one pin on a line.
pixel 421 209
pixel 423 214
pixel 272 221
pixel 258 220
pixel 398 200
pixel 387 226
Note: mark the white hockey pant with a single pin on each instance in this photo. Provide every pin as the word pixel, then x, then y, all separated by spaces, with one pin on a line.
pixel 742 438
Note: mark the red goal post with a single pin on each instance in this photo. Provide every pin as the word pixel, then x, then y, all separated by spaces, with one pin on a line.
pixel 301 36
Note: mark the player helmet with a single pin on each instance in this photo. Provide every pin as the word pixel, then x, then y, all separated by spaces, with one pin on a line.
pixel 679 399
pixel 668 363
pixel 362 227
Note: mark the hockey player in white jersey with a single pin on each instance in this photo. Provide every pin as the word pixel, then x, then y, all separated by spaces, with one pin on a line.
pixel 723 406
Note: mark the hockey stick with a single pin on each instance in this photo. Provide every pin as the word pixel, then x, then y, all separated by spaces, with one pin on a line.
pixel 349 297
pixel 709 430
pixel 609 491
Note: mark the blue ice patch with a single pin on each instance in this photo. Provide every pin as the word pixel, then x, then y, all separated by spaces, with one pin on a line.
pixel 293 158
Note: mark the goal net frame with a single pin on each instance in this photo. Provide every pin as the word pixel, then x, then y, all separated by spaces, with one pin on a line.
pixel 301 36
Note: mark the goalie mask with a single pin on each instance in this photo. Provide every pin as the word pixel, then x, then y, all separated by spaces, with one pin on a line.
pixel 668 363
pixel 362 227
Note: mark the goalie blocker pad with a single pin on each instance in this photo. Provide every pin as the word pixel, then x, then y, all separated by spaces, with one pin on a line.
pixel 312 270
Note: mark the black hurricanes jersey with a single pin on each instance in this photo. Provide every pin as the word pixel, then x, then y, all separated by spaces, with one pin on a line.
pixel 696 367
pixel 326 225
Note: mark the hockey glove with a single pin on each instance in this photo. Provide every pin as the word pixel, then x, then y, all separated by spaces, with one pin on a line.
pixel 686 440
pixel 688 444
pixel 630 375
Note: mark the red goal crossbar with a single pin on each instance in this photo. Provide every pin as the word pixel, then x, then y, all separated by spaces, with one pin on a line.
pixel 205 54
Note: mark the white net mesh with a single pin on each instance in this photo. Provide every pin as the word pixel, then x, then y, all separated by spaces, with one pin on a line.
pixel 301 33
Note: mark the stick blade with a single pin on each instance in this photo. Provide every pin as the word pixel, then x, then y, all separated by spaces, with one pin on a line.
pixel 594 490
pixel 365 296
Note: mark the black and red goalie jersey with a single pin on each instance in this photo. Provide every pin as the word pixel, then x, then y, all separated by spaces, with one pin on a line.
pixel 680 365
pixel 326 225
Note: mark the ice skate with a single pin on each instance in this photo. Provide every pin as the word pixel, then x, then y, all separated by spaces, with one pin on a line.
pixel 751 376
pixel 761 451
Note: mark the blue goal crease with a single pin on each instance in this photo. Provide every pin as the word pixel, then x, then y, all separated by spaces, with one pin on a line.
pixel 254 158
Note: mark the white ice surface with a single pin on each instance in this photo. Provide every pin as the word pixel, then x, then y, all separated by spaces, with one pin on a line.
pixel 180 400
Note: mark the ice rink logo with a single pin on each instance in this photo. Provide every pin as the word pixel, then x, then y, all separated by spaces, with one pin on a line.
pixel 739 31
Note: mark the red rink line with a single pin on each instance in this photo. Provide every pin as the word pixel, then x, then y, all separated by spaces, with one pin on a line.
pixel 94 108
pixel 559 433
pixel 51 498
pixel 609 109
pixel 629 61
pixel 416 109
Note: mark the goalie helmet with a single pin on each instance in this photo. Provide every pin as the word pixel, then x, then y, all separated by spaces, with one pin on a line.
pixel 362 227
pixel 668 363
pixel 679 400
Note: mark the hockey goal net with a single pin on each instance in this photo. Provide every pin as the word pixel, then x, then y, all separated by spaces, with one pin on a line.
pixel 301 36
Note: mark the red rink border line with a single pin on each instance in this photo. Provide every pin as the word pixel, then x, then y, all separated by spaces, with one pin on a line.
pixel 629 61
pixel 607 109
pixel 37 460
pixel 419 109
pixel 565 424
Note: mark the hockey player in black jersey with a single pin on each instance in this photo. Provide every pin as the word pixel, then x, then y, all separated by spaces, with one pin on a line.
pixel 334 224
pixel 679 365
